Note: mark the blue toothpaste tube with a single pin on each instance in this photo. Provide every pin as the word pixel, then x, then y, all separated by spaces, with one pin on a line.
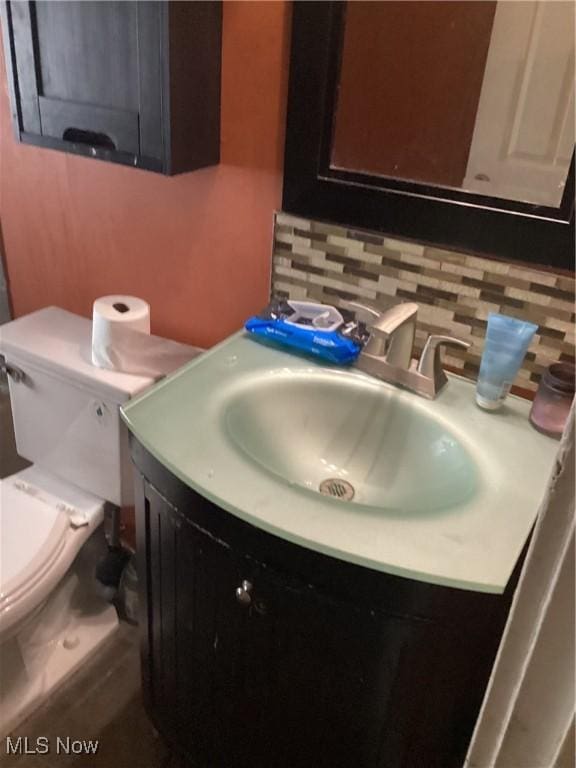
pixel 507 341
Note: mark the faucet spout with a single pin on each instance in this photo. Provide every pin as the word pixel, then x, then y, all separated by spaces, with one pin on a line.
pixel 398 326
pixel 395 316
pixel 388 353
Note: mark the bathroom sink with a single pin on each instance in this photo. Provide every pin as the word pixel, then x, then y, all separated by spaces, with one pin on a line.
pixel 350 466
pixel 351 440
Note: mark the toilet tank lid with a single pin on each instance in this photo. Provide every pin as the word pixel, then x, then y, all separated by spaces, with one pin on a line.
pixel 59 342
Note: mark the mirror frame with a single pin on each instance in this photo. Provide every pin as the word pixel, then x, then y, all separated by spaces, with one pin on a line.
pixel 440 216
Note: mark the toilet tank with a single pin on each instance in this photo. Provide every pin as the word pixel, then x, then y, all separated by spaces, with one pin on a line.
pixel 66 410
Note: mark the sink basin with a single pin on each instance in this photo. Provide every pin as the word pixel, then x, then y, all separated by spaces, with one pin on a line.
pixel 339 462
pixel 353 441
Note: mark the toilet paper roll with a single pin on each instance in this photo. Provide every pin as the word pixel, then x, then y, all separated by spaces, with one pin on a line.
pixel 114 320
pixel 121 339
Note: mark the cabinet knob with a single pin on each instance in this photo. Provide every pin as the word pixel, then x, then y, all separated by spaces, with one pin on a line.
pixel 243 593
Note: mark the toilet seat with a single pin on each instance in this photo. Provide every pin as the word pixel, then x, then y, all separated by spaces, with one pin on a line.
pixel 32 535
pixel 43 524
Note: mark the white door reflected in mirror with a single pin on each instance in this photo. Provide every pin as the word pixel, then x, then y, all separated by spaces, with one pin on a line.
pixel 473 96
pixel 524 132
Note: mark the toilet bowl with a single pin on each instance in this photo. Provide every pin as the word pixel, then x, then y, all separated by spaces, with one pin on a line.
pixel 66 421
pixel 51 619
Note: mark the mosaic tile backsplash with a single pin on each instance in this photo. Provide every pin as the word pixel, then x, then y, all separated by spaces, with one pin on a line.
pixel 455 291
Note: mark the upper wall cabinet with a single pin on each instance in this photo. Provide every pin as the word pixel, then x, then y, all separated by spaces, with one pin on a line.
pixel 136 83
pixel 450 123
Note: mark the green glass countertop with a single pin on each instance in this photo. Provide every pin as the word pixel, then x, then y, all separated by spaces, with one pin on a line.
pixel 442 491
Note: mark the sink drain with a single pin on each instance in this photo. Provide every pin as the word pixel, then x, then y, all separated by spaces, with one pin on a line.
pixel 339 489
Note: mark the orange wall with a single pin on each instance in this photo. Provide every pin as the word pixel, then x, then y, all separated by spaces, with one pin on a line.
pixel 196 246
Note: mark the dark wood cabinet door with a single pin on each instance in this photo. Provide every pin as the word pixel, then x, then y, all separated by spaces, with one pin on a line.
pixel 328 682
pixel 191 626
pixel 280 676
pixel 117 80
pixel 77 68
pixel 317 673
pixel 245 664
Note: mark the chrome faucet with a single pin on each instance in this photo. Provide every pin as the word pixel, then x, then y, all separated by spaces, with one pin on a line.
pixel 387 354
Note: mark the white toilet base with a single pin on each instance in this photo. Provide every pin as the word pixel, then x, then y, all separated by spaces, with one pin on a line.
pixel 52 644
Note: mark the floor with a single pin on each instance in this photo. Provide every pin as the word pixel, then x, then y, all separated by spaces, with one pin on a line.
pixel 101 702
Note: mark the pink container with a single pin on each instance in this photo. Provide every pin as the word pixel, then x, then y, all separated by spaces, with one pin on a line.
pixel 552 403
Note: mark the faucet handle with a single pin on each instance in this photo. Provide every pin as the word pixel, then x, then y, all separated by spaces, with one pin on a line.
pixel 391 331
pixel 363 313
pixel 430 364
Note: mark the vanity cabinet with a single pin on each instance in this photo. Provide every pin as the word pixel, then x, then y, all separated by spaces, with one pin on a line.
pixel 258 652
pixel 136 83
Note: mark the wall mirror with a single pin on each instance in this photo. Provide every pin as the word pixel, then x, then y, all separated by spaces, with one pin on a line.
pixel 449 122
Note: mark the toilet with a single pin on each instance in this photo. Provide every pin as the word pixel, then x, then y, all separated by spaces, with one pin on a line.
pixel 67 423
